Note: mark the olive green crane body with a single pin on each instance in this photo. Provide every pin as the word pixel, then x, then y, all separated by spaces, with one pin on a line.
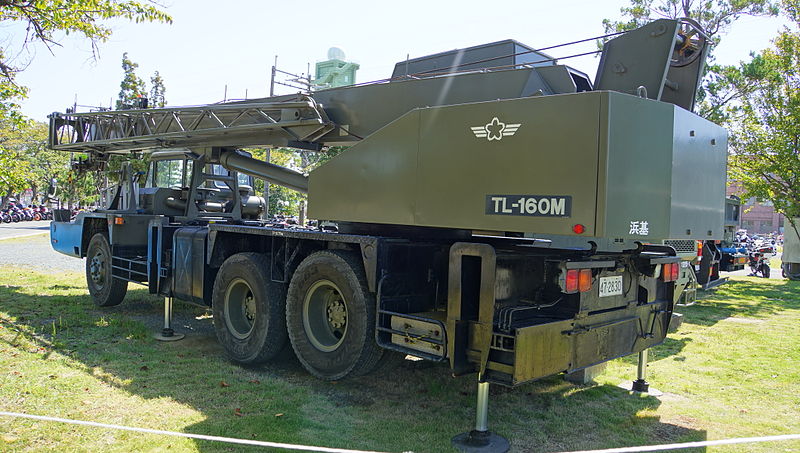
pixel 622 167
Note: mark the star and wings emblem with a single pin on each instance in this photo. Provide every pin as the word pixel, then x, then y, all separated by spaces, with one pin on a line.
pixel 495 130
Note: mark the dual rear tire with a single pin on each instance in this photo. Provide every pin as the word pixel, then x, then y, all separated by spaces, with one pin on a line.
pixel 327 313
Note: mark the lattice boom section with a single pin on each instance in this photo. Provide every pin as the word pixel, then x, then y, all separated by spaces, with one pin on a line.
pixel 244 123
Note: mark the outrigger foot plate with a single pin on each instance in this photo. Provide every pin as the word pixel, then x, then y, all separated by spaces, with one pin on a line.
pixel 168 335
pixel 480 442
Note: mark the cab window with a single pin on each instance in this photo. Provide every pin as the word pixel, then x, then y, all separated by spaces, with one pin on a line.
pixel 167 173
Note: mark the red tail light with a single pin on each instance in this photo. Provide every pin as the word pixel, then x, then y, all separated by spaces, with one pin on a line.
pixel 584 280
pixel 571 284
pixel 699 248
pixel 675 271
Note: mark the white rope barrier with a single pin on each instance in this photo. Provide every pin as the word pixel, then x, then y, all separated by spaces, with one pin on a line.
pixel 259 443
pixel 231 440
pixel 705 443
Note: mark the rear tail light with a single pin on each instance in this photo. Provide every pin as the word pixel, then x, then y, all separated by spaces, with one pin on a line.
pixel 571 285
pixel 699 248
pixel 578 280
pixel 584 280
pixel 669 271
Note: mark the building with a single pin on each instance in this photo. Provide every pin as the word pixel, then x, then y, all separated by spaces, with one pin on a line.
pixel 757 217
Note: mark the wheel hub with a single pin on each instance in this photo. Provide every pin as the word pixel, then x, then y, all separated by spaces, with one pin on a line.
pixel 337 313
pixel 240 308
pixel 325 316
pixel 96 269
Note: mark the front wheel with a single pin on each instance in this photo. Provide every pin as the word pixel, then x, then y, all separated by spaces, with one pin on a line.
pixel 330 315
pixel 249 309
pixel 106 291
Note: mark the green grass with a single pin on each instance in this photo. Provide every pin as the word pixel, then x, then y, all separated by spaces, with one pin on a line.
pixel 730 371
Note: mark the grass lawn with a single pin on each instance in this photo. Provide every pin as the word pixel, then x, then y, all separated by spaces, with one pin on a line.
pixel 730 371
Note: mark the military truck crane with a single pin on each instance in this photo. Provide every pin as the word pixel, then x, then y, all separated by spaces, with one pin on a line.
pixel 496 211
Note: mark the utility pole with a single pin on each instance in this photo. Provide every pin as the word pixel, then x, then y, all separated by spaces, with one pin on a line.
pixel 272 79
pixel 266 187
pixel 304 167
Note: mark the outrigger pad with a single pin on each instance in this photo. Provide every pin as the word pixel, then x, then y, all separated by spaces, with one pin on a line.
pixel 168 335
pixel 480 442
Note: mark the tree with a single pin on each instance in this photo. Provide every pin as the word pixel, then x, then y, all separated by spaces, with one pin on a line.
pixel 12 161
pixel 47 20
pixel 765 137
pixel 45 163
pixel 287 201
pixel 132 87
pixel 25 161
pixel 720 85
pixel 157 91
pixel 715 16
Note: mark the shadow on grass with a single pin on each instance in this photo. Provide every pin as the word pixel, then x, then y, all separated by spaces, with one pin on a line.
pixel 413 405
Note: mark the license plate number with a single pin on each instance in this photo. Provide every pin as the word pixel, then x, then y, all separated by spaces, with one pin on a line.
pixel 611 286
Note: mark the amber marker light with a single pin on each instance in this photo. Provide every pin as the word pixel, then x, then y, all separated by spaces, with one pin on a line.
pixel 584 280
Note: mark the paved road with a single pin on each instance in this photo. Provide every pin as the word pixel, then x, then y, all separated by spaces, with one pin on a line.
pixel 27 244
pixel 22 229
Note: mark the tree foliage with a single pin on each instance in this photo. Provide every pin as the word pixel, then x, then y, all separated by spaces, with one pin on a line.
pixel 715 16
pixel 157 91
pixel 285 201
pixel 14 166
pixel 47 21
pixel 132 87
pixel 25 160
pixel 765 126
pixel 721 85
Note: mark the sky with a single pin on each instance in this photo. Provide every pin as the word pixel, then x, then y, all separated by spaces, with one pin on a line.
pixel 216 50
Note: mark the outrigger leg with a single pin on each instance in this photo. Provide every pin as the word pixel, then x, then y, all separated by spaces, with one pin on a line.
pixel 480 439
pixel 167 334
pixel 640 384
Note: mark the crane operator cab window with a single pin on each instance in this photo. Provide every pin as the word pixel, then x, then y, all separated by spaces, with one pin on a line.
pixel 166 188
pixel 169 174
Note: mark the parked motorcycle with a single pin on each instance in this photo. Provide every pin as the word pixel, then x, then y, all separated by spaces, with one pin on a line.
pixel 16 213
pixel 759 255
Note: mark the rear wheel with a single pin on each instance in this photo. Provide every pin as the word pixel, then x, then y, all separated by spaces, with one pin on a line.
pixel 106 291
pixel 330 315
pixel 765 270
pixel 249 309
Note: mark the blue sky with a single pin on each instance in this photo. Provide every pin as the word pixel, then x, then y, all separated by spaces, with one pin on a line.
pixel 214 44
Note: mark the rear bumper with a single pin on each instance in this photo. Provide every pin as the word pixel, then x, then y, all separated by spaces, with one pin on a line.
pixel 544 349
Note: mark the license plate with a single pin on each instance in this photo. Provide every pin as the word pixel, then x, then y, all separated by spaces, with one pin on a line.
pixel 610 286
